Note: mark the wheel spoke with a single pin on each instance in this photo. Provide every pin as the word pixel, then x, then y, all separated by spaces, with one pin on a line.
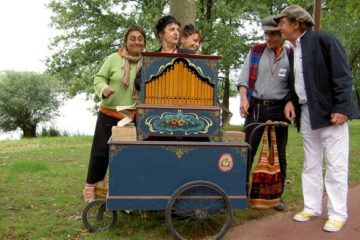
pixel 97 218
pixel 199 210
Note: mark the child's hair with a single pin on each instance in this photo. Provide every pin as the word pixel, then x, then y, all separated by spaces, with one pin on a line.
pixel 189 30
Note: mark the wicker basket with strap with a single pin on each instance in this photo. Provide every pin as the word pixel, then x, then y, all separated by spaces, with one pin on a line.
pixel 266 186
pixel 101 188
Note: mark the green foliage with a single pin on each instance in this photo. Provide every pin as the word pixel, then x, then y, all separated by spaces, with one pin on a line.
pixel 347 30
pixel 27 99
pixel 89 31
pixel 230 28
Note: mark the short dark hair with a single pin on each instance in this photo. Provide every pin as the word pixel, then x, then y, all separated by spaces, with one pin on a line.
pixel 163 22
pixel 189 30
pixel 133 28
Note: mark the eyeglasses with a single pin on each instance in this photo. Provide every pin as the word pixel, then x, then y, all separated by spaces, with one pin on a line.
pixel 133 39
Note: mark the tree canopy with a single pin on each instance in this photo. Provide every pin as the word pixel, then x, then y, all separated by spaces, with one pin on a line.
pixel 92 29
pixel 89 31
pixel 347 29
pixel 26 99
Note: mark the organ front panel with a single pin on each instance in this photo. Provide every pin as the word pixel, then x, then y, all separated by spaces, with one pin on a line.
pixel 178 98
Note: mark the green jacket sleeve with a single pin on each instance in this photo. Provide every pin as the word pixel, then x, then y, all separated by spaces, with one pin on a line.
pixel 102 78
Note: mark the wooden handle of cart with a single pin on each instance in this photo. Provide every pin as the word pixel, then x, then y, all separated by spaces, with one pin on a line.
pixel 260 125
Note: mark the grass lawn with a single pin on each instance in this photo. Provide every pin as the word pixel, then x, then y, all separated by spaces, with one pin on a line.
pixel 41 182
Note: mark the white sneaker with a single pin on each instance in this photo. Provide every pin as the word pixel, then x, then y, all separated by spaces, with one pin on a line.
pixel 304 216
pixel 333 225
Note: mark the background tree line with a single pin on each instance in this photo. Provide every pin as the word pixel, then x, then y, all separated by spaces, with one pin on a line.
pixel 92 29
pixel 89 30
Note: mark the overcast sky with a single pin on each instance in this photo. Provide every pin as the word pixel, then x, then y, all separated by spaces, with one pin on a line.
pixel 25 35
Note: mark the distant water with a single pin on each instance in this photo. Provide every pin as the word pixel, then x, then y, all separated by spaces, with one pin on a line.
pixel 234 107
pixel 76 117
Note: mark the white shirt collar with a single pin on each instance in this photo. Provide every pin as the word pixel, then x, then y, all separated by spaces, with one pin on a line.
pixel 297 42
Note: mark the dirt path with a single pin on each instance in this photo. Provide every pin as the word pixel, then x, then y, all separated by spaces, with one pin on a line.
pixel 280 226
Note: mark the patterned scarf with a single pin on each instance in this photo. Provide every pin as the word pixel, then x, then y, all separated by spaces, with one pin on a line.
pixel 256 52
pixel 128 59
pixel 255 55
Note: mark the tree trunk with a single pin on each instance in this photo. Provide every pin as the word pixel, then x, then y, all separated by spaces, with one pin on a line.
pixel 317 14
pixel 205 15
pixel 29 131
pixel 226 114
pixel 183 11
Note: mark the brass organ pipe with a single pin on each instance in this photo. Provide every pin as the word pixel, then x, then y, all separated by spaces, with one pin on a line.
pixel 181 83
pixel 178 85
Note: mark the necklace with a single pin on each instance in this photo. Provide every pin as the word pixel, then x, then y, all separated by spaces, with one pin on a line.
pixel 276 67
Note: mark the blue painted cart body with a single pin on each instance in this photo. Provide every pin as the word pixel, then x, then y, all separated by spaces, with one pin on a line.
pixel 144 174
pixel 188 171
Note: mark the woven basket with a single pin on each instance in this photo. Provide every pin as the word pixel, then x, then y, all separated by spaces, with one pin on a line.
pixel 101 188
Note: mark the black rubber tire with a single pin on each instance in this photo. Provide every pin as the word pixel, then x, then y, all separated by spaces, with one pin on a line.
pixel 198 210
pixel 97 218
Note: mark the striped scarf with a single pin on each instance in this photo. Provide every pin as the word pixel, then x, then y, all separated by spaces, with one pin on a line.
pixel 255 55
pixel 127 60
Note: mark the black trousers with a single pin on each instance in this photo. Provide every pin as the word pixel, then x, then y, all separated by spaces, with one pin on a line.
pixel 99 157
pixel 259 113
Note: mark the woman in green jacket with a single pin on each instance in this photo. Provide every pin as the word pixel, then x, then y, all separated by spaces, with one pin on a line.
pixel 114 85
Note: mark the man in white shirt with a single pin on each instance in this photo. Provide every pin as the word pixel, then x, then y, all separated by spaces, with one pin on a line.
pixel 321 104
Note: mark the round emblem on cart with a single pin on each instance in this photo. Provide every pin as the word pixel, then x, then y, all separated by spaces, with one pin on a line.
pixel 225 162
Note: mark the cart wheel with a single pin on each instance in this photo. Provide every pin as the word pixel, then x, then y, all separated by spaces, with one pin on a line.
pixel 198 210
pixel 97 218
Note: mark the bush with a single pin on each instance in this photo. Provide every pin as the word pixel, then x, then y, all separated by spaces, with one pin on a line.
pixel 52 132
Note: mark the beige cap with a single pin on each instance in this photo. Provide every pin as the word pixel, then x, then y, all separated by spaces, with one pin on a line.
pixel 296 12
pixel 269 24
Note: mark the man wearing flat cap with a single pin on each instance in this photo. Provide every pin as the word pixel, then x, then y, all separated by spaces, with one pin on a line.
pixel 263 88
pixel 321 103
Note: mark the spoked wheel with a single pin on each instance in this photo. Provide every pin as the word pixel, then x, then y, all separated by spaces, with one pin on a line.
pixel 198 210
pixel 97 218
